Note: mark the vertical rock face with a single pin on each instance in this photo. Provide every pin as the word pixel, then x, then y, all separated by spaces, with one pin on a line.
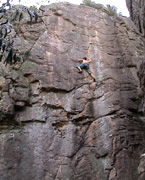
pixel 137 13
pixel 59 124
pixel 141 75
pixel 141 168
pixel 141 98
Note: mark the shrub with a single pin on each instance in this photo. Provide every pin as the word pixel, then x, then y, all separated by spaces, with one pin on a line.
pixel 139 98
pixel 111 10
pixel 92 4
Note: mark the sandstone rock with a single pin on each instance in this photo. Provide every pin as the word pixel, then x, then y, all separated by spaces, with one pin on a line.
pixel 137 13
pixel 57 123
pixel 141 75
pixel 141 168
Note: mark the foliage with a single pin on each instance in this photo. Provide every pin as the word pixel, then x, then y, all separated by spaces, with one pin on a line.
pixel 138 99
pixel 75 122
pixel 28 65
pixel 92 4
pixel 111 10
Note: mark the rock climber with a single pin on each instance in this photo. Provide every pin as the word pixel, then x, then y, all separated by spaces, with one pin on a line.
pixel 85 65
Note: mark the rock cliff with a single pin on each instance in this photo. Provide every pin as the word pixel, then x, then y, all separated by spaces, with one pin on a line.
pixel 137 13
pixel 59 124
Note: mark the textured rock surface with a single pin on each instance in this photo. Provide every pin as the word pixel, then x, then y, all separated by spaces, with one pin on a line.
pixel 137 13
pixel 141 75
pixel 141 168
pixel 57 123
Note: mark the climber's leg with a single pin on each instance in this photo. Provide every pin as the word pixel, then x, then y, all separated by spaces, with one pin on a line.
pixel 79 67
pixel 91 74
pixel 93 77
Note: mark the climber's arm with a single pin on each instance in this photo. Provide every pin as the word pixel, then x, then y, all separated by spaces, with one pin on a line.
pixel 81 60
pixel 88 60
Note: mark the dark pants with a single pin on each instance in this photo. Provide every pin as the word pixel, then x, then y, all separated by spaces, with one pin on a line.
pixel 84 66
